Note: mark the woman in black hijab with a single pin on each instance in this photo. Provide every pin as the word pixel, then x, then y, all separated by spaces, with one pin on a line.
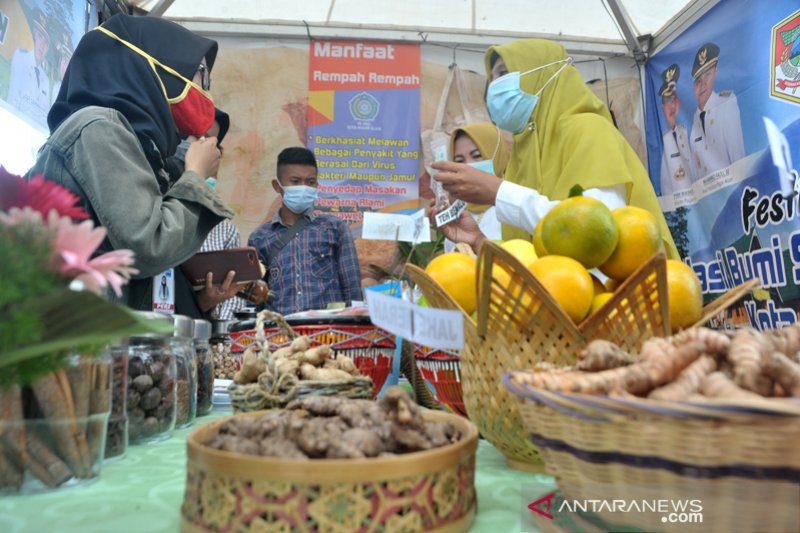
pixel 132 87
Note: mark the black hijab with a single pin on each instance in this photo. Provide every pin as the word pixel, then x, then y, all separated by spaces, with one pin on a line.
pixel 104 72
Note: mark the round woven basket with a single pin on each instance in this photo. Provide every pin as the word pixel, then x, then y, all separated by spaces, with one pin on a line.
pixel 738 459
pixel 432 490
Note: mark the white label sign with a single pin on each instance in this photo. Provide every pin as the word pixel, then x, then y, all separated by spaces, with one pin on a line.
pixel 391 227
pixel 451 213
pixel 392 314
pixel 439 328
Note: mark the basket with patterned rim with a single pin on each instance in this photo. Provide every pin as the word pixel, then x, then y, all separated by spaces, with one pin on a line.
pixel 273 390
pixel 371 348
pixel 519 325
pixel 737 457
pixel 431 491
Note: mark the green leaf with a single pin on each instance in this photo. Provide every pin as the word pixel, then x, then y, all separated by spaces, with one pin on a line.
pixel 73 321
pixel 576 190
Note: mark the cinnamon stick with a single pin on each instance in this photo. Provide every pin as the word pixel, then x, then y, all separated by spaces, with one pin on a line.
pixel 100 404
pixel 55 400
pixel 80 378
pixel 12 453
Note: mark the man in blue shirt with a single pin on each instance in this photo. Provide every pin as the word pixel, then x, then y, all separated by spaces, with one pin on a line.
pixel 318 265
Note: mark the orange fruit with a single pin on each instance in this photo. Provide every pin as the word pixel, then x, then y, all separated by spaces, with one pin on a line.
pixel 568 283
pixel 522 250
pixel 684 295
pixel 639 239
pixel 598 301
pixel 455 272
pixel 538 245
pixel 581 228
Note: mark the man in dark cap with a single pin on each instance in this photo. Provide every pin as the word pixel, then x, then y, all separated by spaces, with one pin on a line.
pixel 716 138
pixel 29 86
pixel 676 163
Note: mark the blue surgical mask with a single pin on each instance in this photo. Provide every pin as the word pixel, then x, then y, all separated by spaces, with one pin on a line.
pixel 298 198
pixel 212 182
pixel 509 106
pixel 487 165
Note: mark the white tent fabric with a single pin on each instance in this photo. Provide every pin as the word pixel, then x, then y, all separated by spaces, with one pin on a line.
pixel 589 27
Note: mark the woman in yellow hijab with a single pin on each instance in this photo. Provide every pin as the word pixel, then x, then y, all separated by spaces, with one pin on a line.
pixel 563 136
pixel 480 145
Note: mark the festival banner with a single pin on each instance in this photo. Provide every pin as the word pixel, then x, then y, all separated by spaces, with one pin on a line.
pixel 37 38
pixel 728 192
pixel 363 127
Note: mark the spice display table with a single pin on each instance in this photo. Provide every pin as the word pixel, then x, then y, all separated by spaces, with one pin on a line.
pixel 143 492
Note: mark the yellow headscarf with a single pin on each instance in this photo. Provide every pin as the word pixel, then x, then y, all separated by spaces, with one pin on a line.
pixel 574 141
pixel 489 140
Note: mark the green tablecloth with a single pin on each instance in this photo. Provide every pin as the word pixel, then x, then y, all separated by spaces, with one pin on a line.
pixel 143 493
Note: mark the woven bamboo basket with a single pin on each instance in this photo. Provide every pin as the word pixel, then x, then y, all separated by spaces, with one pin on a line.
pixel 272 391
pixel 738 458
pixel 432 490
pixel 520 325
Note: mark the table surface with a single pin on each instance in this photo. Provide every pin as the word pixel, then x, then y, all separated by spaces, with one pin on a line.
pixel 143 492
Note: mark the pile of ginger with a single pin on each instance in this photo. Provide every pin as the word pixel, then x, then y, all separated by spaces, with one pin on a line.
pixel 298 359
pixel 331 427
pixel 693 365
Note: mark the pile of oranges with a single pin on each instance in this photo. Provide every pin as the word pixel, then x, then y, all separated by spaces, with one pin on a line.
pixel 580 252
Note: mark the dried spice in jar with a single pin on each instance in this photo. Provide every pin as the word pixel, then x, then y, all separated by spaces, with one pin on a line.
pixel 182 344
pixel 117 432
pixel 205 367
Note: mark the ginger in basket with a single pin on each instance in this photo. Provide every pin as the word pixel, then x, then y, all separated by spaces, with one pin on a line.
pixel 252 366
pixel 332 427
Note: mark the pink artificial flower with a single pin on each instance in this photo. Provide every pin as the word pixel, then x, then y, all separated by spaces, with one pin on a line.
pixel 38 194
pixel 74 245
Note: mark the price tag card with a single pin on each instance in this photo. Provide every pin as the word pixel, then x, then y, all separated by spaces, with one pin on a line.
pixel 451 213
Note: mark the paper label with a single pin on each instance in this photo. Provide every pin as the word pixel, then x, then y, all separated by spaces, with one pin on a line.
pixel 438 328
pixel 451 213
pixel 392 314
pixel 393 227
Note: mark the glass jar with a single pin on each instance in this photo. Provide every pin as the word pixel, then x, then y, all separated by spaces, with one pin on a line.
pixel 182 344
pixel 117 433
pixel 152 371
pixel 205 367
pixel 53 431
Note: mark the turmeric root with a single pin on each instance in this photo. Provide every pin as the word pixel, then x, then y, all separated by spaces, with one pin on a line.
pixel 718 385
pixel 252 367
pixel 785 340
pixel 688 382
pixel 784 371
pixel 603 355
pixel 745 354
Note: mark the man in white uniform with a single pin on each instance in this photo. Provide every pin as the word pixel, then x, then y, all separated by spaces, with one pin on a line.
pixel 29 86
pixel 676 162
pixel 716 138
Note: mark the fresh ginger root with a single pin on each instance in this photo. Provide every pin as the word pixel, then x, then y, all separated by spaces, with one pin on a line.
pixel 603 355
pixel 784 371
pixel 252 367
pixel 316 356
pixel 309 371
pixel 300 344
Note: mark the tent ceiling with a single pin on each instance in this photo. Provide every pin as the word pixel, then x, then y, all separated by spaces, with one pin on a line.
pixel 591 27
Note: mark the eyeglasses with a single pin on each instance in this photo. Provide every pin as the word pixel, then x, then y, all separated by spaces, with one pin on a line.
pixel 205 77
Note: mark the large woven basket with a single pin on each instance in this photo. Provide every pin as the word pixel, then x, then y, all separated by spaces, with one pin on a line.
pixel 519 325
pixel 273 391
pixel 740 459
pixel 432 490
